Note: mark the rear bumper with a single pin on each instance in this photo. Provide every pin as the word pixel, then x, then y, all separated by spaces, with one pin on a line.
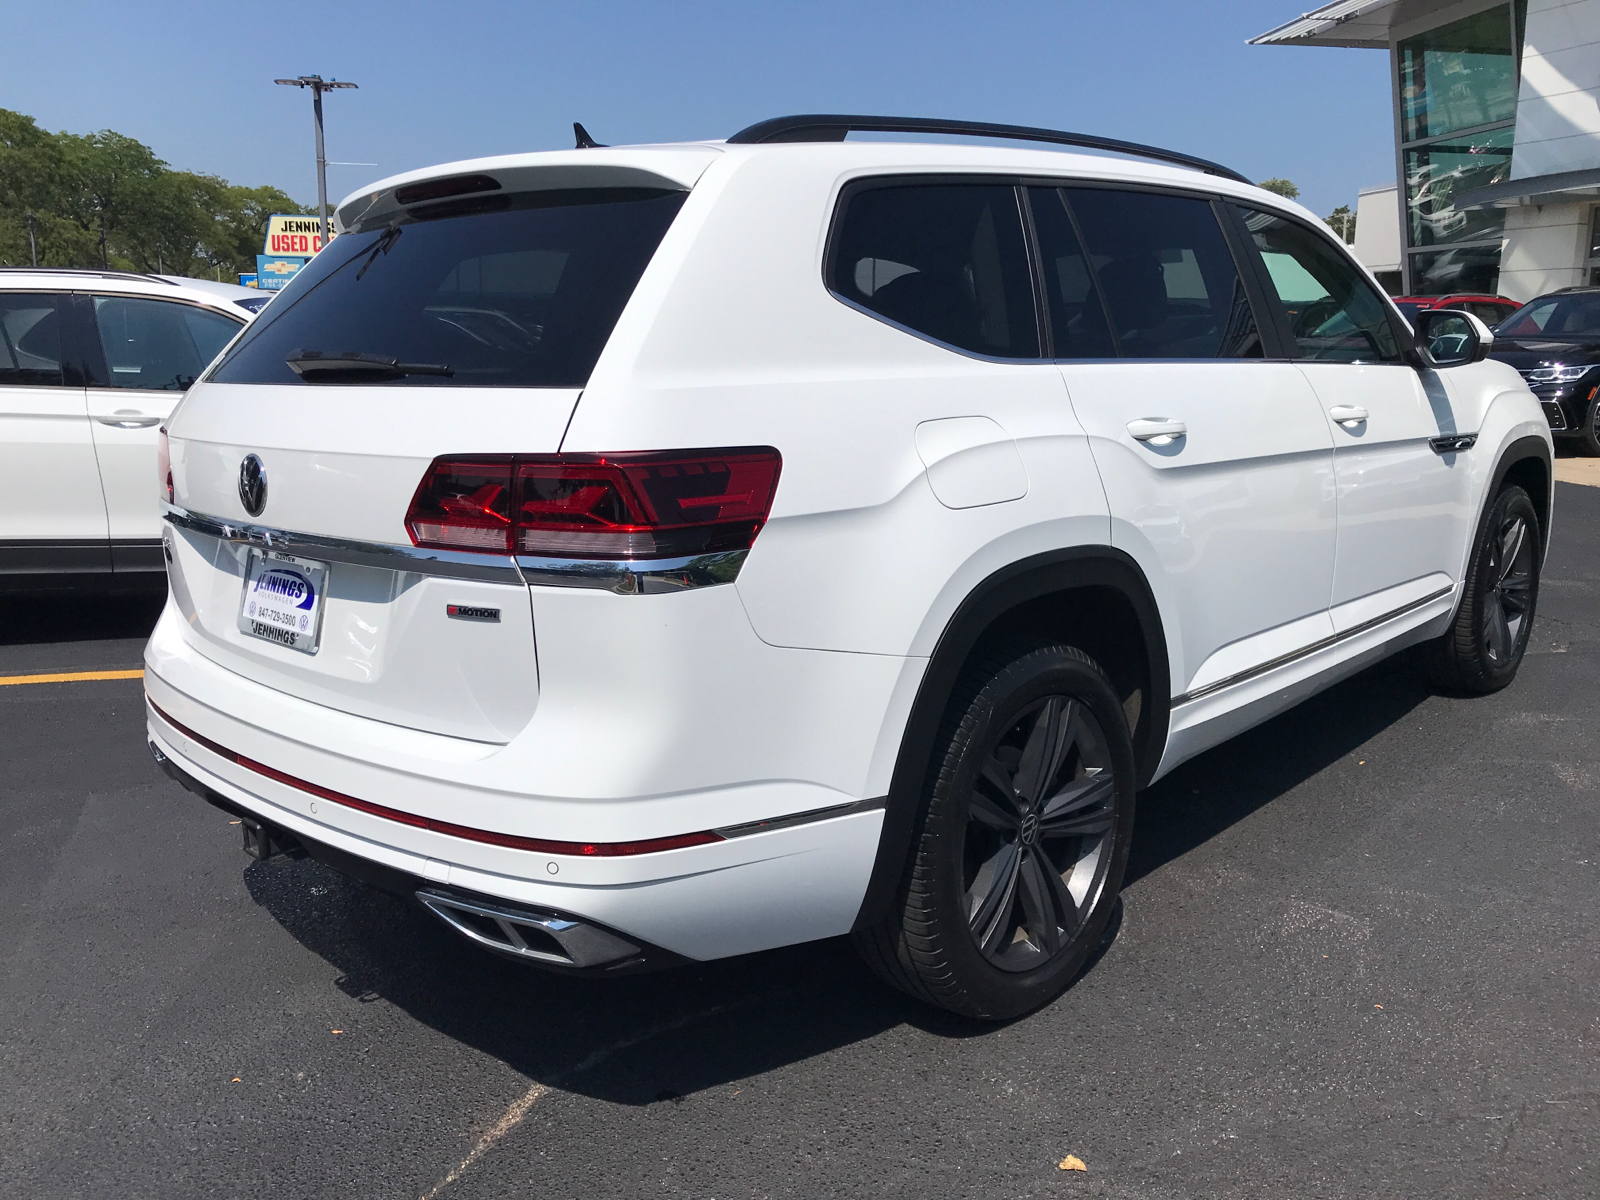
pixel 755 890
pixel 555 940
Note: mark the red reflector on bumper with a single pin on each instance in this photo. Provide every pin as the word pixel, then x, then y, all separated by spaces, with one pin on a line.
pixel 466 832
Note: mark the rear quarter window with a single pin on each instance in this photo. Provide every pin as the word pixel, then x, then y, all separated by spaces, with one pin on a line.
pixel 523 297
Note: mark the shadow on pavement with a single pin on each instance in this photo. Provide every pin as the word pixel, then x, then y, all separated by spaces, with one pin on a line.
pixel 631 1040
pixel 638 1039
pixel 80 617
pixel 1226 784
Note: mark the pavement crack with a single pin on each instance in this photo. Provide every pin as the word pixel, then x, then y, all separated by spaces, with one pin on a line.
pixel 523 1104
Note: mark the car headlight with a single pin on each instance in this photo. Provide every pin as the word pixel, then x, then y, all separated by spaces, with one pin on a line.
pixel 1557 374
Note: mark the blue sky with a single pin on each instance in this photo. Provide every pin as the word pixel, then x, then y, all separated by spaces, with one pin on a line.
pixel 446 81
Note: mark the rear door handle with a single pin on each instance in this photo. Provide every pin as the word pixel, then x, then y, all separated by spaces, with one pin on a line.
pixel 1348 414
pixel 129 418
pixel 1150 429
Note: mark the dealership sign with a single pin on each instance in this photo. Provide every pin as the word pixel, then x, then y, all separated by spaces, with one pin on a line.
pixel 299 235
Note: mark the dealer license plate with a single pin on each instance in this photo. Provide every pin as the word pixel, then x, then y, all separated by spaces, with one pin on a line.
pixel 283 598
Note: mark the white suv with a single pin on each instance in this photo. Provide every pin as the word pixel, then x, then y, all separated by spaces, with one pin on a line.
pixel 91 363
pixel 669 552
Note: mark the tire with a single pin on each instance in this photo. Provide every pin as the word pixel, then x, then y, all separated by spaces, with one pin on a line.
pixel 1019 850
pixel 1484 646
pixel 1589 435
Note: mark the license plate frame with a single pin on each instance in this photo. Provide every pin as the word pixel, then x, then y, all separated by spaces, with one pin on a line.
pixel 272 579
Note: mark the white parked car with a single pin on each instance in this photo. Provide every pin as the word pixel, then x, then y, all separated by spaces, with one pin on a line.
pixel 654 553
pixel 91 363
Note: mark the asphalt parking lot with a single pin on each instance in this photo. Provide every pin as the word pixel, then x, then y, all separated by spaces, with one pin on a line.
pixel 1358 957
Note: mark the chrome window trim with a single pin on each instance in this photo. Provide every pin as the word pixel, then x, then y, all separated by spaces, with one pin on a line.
pixel 642 577
pixel 1293 656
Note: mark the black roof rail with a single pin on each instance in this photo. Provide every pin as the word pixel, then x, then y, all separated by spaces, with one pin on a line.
pixel 98 272
pixel 832 127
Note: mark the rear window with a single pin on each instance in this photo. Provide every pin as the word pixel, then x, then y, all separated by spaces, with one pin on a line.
pixel 523 297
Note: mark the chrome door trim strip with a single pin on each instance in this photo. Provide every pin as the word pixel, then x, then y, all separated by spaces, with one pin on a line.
pixel 802 818
pixel 1323 644
pixel 489 568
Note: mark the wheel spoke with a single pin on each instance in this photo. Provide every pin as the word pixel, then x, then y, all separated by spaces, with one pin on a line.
pixel 1497 632
pixel 990 913
pixel 992 813
pixel 1052 735
pixel 1511 540
pixel 1082 807
pixel 994 774
pixel 1039 903
pixel 1515 590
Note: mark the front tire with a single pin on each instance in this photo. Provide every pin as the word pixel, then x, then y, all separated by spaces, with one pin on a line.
pixel 1589 435
pixel 1019 854
pixel 1484 646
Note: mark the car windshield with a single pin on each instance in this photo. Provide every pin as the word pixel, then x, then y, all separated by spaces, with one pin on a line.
pixel 521 297
pixel 1576 315
pixel 1409 311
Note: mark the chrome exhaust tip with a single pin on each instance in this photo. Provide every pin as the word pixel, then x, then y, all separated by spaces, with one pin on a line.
pixel 544 937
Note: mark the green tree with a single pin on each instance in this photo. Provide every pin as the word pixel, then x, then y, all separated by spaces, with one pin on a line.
pixel 1343 222
pixel 1282 187
pixel 152 217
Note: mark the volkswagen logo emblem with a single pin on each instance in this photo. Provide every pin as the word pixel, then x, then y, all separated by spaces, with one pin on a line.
pixel 252 485
pixel 1030 829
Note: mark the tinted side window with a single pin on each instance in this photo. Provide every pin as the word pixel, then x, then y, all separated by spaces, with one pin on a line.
pixel 1333 312
pixel 1078 326
pixel 525 297
pixel 30 340
pixel 156 344
pixel 1167 275
pixel 947 260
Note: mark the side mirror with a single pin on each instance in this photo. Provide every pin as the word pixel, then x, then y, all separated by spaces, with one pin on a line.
pixel 1450 337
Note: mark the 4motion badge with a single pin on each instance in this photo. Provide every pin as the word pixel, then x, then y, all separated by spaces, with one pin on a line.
pixel 471 612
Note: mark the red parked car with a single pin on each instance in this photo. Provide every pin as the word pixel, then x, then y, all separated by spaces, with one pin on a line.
pixel 1491 310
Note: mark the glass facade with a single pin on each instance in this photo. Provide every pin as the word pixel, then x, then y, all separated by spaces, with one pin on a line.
pixel 1459 76
pixel 1457 106
pixel 1437 172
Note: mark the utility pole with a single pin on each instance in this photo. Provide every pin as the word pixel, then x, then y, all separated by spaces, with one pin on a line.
pixel 318 85
pixel 33 247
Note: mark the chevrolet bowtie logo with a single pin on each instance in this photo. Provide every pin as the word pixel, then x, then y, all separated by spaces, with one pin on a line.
pixel 282 268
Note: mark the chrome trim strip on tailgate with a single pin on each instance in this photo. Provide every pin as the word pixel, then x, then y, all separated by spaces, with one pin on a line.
pixel 1285 659
pixel 636 577
pixel 490 568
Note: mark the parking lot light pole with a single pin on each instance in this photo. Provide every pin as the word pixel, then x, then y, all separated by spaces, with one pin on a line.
pixel 318 85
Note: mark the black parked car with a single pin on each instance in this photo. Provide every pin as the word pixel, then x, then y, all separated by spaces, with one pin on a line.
pixel 1554 342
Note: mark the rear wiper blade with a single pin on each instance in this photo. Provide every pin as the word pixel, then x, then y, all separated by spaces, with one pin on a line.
pixel 354 366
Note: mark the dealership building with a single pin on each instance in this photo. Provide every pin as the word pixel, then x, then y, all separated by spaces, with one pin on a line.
pixel 1497 141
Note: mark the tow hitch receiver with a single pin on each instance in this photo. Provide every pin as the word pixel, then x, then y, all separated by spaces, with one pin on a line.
pixel 268 841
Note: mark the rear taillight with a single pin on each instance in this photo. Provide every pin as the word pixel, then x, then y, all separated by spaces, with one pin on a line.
pixel 164 466
pixel 675 504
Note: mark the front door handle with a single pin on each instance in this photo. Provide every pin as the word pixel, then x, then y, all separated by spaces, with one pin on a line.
pixel 1348 414
pixel 1160 430
pixel 129 418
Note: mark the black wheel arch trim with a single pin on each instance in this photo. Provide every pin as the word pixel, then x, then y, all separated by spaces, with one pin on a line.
pixel 1009 588
pixel 1522 450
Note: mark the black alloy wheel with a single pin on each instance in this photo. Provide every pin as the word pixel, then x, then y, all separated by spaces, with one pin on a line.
pixel 1038 826
pixel 1020 849
pixel 1485 644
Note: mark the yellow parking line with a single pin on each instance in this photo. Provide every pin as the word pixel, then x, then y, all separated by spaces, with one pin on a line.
pixel 70 677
